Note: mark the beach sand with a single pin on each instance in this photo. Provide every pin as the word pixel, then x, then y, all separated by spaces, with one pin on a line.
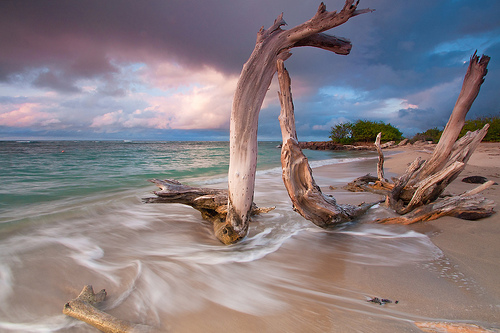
pixel 162 266
pixel 460 285
pixel 473 245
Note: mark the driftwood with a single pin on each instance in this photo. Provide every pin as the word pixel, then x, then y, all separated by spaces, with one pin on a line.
pixel 272 44
pixel 369 183
pixel 211 203
pixel 473 80
pixel 468 206
pixel 444 327
pixel 427 182
pixel 231 218
pixel 306 196
pixel 83 308
pixel 380 164
pixel 416 194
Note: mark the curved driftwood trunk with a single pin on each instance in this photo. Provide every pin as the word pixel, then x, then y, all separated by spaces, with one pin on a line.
pixel 272 44
pixel 306 196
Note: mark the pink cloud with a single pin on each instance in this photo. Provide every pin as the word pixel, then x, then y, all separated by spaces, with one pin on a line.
pixel 26 115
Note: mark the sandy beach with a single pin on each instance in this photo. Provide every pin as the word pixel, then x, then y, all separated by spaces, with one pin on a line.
pixel 474 245
pixel 162 266
pixel 459 286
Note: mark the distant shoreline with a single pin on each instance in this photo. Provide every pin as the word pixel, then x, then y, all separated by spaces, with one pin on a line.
pixel 330 145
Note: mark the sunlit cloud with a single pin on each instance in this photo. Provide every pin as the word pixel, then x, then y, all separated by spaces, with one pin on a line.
pixel 177 98
pixel 25 115
pixel 165 72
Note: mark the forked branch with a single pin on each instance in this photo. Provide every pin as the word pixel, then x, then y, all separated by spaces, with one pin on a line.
pixel 255 78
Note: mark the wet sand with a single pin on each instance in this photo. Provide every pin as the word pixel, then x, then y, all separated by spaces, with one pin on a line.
pixel 459 284
pixel 473 245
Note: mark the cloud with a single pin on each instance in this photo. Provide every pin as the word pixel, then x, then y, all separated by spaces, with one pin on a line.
pixel 25 115
pixel 176 98
pixel 174 64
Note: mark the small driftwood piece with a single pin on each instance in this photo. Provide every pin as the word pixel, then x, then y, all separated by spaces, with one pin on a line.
pixel 380 164
pixel 306 196
pixel 444 327
pixel 211 203
pixel 369 183
pixel 83 308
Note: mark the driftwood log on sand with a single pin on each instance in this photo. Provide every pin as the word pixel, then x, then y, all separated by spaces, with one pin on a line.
pixel 416 194
pixel 306 196
pixel 211 203
pixel 84 308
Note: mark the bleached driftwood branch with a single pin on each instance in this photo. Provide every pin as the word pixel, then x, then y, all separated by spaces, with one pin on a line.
pixel 424 182
pixel 211 203
pixel 468 206
pixel 380 163
pixel 255 78
pixel 306 196
pixel 84 308
pixel 474 78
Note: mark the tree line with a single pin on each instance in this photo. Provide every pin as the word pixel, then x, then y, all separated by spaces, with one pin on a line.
pixel 366 131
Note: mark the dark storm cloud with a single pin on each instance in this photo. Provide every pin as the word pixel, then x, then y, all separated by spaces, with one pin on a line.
pixel 405 50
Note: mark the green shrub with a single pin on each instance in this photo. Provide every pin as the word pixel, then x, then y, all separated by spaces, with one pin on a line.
pixel 342 133
pixel 364 131
pixel 432 134
pixel 493 134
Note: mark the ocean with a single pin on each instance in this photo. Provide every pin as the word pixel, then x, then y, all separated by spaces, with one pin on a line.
pixel 71 214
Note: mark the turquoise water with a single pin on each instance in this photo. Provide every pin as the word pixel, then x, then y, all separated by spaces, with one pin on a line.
pixel 44 171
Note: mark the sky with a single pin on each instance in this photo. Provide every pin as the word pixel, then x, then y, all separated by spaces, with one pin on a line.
pixel 167 69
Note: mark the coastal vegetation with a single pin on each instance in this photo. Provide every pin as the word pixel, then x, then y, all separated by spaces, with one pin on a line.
pixel 432 134
pixel 364 131
pixel 471 125
pixel 493 134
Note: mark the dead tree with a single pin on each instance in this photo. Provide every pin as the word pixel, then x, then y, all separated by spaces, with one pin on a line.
pixel 425 182
pixel 272 44
pixel 232 217
pixel 306 196
pixel 415 195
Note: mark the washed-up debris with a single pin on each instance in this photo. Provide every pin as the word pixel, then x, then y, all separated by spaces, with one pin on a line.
pixel 381 301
